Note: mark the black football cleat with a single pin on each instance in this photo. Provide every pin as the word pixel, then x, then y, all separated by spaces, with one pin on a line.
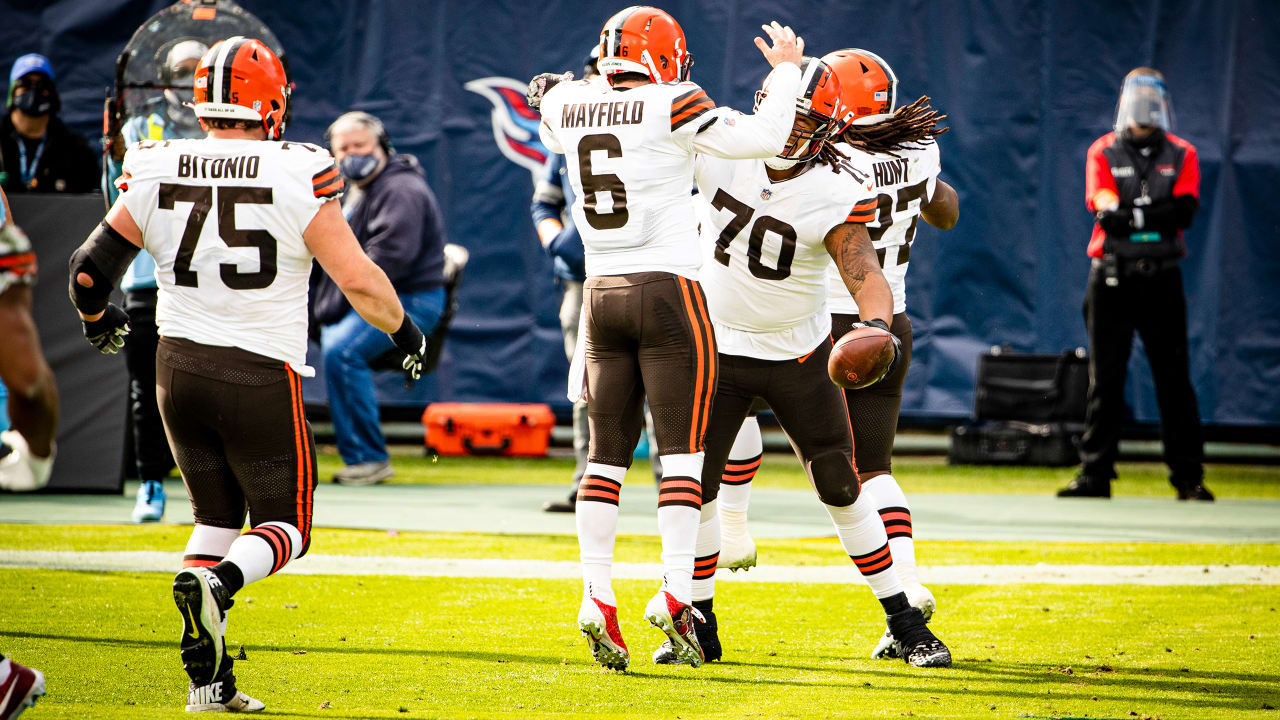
pixel 1194 492
pixel 1085 486
pixel 202 601
pixel 917 644
pixel 558 506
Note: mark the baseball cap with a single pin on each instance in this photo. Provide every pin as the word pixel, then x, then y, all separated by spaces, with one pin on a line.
pixel 29 63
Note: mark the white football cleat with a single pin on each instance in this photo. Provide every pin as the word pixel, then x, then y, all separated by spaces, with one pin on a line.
pixel 20 471
pixel 599 623
pixel 239 702
pixel 920 598
pixel 737 549
pixel 676 619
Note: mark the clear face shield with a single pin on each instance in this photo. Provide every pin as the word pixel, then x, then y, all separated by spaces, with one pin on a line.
pixel 178 72
pixel 1144 103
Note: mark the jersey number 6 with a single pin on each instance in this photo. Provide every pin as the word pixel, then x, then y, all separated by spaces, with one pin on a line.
pixel 201 199
pixel 592 183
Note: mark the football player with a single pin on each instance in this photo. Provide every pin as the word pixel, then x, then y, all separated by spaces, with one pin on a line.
pixel 894 150
pixel 629 145
pixel 775 227
pixel 27 448
pixel 233 222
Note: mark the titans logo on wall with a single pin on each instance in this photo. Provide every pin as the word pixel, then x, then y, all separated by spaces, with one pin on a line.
pixel 515 124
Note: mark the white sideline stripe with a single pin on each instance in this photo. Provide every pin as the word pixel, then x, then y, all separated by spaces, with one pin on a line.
pixel 152 561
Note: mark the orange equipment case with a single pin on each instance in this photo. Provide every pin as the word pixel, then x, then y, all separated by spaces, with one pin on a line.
pixel 488 428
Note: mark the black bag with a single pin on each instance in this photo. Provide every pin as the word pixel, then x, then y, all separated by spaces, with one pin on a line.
pixel 1032 388
pixel 1015 443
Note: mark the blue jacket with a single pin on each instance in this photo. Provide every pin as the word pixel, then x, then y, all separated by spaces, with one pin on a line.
pixel 399 225
pixel 551 196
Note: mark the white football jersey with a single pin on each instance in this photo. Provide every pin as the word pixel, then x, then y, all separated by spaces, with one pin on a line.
pixel 224 221
pixel 629 153
pixel 901 186
pixel 766 260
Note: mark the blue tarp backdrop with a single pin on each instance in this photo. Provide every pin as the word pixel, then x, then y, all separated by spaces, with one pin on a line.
pixel 1027 87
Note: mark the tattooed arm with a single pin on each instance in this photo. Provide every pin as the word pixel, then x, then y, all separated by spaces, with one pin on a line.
pixel 855 258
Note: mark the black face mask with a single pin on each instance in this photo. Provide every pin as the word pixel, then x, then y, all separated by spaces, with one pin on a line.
pixel 36 102
pixel 1149 141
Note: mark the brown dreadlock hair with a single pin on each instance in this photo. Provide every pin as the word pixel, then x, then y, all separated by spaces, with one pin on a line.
pixel 915 124
pixel 831 155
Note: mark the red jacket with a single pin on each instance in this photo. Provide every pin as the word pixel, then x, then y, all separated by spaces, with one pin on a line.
pixel 1176 160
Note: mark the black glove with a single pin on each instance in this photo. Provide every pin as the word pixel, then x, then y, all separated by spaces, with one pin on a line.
pixel 107 332
pixel 1116 222
pixel 897 344
pixel 410 340
pixel 541 84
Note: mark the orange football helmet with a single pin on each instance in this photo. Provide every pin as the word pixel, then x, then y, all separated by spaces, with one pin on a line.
pixel 644 40
pixel 819 101
pixel 870 89
pixel 241 79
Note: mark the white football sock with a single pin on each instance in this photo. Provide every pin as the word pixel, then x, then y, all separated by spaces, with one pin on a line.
pixel 864 540
pixel 4 671
pixel 895 514
pixel 679 514
pixel 744 461
pixel 597 519
pixel 208 545
pixel 264 550
pixel 707 553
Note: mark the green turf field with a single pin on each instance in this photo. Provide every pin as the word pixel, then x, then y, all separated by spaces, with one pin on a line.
pixel 374 646
pixel 780 470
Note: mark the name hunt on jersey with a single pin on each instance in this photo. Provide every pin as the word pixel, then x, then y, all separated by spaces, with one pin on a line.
pixel 901 187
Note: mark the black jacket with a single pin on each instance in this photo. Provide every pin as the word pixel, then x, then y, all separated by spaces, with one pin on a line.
pixel 399 225
pixel 66 163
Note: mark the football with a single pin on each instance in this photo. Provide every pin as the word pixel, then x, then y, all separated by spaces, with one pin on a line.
pixel 860 357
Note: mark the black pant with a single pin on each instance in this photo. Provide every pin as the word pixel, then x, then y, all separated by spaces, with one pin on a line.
pixel 1154 306
pixel 809 407
pixel 240 435
pixel 153 461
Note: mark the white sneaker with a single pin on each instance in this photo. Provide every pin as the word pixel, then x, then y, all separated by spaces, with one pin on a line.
pixel 20 471
pixel 737 549
pixel 366 473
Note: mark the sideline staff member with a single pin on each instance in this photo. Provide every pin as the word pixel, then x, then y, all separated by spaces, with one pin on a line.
pixel 1143 183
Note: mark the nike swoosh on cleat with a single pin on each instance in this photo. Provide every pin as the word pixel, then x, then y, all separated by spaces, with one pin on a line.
pixel 194 635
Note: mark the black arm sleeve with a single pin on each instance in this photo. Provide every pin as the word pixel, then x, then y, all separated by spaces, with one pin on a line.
pixel 1170 214
pixel 104 257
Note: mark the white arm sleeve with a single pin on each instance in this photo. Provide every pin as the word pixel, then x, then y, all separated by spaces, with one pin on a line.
pixel 549 139
pixel 760 135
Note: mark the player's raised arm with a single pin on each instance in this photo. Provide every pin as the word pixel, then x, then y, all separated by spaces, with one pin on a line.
pixel 764 134
pixel 943 209
pixel 364 284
